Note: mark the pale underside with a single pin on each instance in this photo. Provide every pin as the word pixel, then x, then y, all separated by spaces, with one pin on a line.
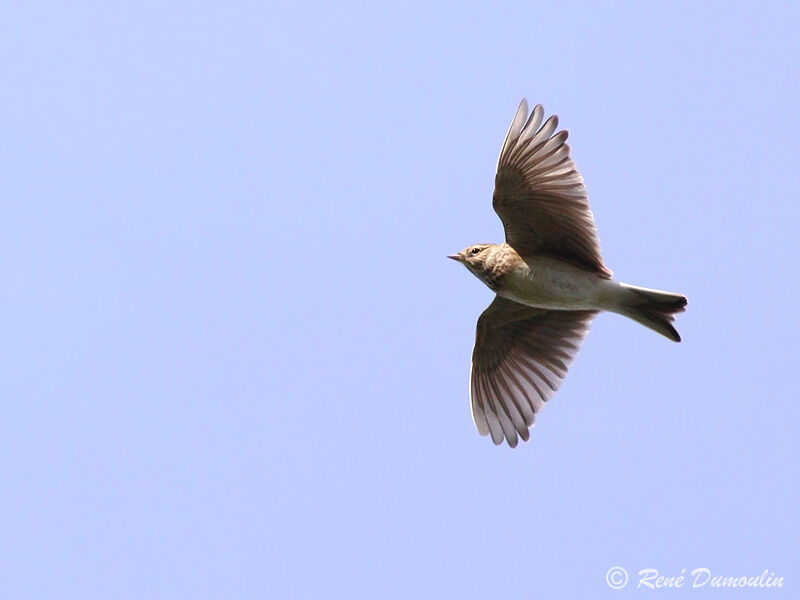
pixel 522 353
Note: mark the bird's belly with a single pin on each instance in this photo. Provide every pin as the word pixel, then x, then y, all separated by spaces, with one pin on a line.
pixel 548 283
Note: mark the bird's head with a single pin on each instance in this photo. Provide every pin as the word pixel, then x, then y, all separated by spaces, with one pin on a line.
pixel 477 258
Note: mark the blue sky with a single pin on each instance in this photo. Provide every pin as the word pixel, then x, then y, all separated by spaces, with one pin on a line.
pixel 235 357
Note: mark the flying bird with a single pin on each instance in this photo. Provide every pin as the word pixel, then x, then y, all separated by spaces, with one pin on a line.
pixel 549 280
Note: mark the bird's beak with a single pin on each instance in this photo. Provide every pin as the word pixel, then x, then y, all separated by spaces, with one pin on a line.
pixel 455 257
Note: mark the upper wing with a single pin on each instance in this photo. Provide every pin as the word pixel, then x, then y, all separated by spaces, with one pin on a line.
pixel 521 356
pixel 540 195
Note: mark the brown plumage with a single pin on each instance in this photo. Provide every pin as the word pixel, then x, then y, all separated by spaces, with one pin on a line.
pixel 549 278
pixel 540 195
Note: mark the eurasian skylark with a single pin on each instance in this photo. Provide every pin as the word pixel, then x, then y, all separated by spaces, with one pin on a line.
pixel 549 278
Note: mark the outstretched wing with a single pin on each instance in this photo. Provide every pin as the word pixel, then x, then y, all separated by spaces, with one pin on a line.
pixel 521 356
pixel 540 195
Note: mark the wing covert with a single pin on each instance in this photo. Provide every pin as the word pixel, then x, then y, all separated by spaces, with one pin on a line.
pixel 539 194
pixel 521 356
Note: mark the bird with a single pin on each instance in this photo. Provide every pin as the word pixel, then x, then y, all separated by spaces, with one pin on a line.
pixel 549 281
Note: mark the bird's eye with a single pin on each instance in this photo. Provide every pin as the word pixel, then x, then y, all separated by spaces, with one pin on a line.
pixel 474 251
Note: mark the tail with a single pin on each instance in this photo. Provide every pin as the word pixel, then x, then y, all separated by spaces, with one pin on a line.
pixel 651 308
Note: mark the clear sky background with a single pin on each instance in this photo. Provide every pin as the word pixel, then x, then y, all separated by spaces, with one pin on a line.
pixel 234 357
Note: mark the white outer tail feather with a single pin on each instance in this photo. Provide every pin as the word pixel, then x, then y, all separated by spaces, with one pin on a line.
pixel 652 308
